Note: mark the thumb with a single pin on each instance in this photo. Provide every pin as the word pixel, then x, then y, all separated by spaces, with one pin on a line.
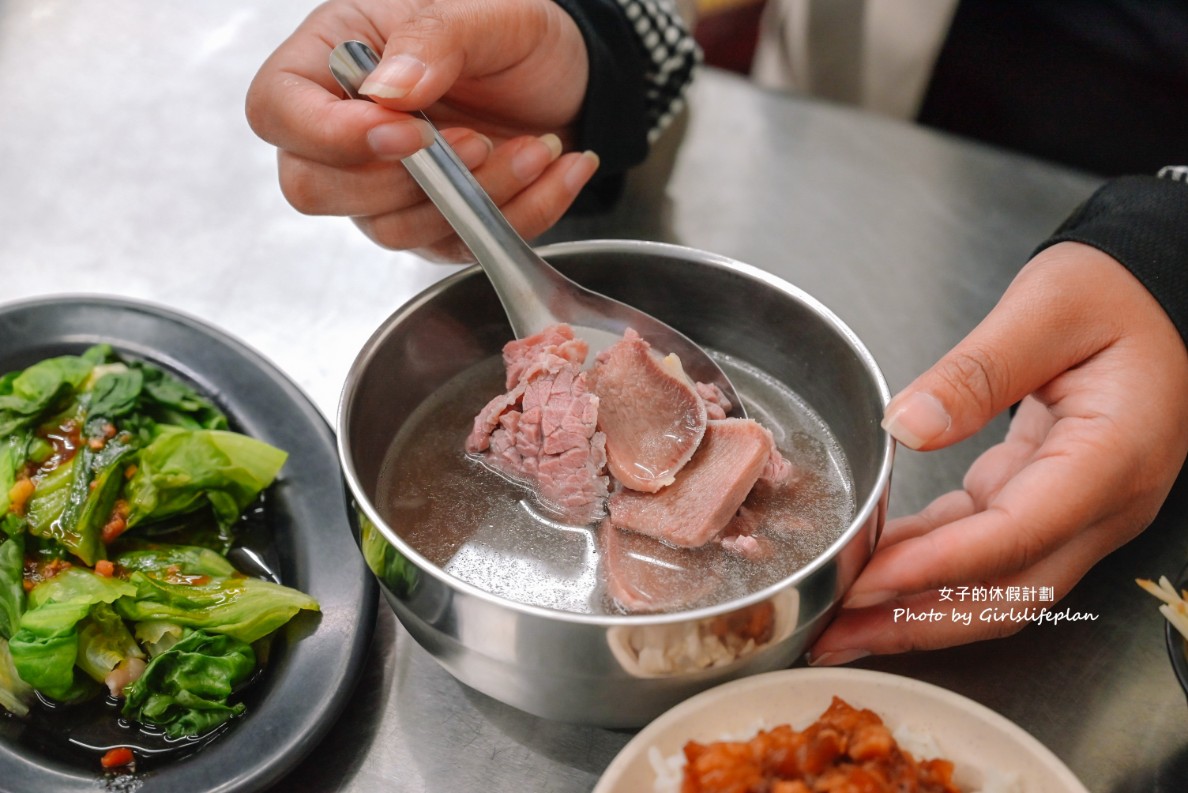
pixel 1043 325
pixel 433 48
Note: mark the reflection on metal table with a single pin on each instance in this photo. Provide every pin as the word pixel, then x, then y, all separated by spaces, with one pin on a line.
pixel 147 183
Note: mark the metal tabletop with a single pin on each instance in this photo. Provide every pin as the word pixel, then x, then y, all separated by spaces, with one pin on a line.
pixel 126 167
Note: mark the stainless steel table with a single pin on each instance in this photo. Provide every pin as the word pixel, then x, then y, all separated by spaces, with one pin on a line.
pixel 126 167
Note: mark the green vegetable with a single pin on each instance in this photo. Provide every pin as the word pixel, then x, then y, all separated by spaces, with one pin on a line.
pixel 157 636
pixel 188 559
pixel 85 535
pixel 115 392
pixel 24 396
pixel 45 649
pixel 15 694
pixel 93 446
pixel 185 690
pixel 74 501
pixel 12 587
pixel 14 450
pixel 184 470
pixel 170 401
pixel 104 642
pixel 50 499
pixel 246 608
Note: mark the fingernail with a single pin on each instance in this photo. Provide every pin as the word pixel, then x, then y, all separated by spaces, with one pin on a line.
pixel 866 599
pixel 473 150
pixel 837 657
pixel 397 140
pixel 534 156
pixel 580 171
pixel 394 78
pixel 916 419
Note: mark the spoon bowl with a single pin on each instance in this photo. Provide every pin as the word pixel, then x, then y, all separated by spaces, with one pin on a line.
pixel 533 293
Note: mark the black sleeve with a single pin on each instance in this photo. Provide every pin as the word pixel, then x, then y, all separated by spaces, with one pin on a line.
pixel 1142 221
pixel 642 59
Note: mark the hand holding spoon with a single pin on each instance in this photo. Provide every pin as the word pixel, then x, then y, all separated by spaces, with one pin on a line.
pixel 533 293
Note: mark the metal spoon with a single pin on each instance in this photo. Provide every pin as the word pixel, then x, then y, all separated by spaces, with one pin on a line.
pixel 533 293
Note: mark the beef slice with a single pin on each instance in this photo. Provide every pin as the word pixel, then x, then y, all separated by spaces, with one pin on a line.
pixel 708 491
pixel 543 431
pixel 644 575
pixel 649 410
pixel 552 348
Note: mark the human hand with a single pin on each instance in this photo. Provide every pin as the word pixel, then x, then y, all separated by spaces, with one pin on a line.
pixel 1098 440
pixel 504 79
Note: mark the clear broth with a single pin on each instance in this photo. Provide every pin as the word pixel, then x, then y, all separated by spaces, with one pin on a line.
pixel 491 532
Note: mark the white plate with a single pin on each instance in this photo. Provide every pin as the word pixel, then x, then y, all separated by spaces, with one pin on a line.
pixel 974 737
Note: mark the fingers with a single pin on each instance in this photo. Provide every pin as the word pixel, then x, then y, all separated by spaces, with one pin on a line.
pixel 1082 470
pixel 935 619
pixel 1078 454
pixel 299 116
pixel 530 208
pixel 377 187
pixel 950 507
pixel 390 208
pixel 1056 495
pixel 1049 320
pixel 493 70
pixel 500 55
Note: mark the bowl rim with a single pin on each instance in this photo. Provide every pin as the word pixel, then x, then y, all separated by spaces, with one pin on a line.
pixel 862 514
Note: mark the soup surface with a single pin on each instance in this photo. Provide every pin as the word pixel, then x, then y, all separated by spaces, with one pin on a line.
pixel 491 532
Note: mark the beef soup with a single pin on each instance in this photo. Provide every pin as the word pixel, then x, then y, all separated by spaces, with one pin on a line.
pixel 483 526
pixel 460 551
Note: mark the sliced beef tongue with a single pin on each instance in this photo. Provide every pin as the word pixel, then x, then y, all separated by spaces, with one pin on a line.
pixel 544 430
pixel 651 413
pixel 643 575
pixel 707 493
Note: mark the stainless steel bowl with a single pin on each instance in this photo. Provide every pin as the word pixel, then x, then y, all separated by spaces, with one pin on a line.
pixel 589 668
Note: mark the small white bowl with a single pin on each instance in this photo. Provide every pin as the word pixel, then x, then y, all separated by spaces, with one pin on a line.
pixel 983 745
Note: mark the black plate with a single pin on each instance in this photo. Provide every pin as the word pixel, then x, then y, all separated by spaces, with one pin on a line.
pixel 316 660
pixel 1177 645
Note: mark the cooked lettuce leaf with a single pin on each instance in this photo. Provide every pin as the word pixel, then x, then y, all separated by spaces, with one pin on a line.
pixel 246 608
pixel 77 585
pixel 50 499
pixel 74 501
pixel 46 660
pixel 170 401
pixel 160 455
pixel 45 648
pixel 157 636
pixel 186 559
pixel 24 395
pixel 104 642
pixel 14 450
pixel 185 690
pixel 12 583
pixel 15 694
pixel 185 470
pixel 116 392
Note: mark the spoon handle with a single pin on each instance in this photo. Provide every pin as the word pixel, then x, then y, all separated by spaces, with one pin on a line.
pixel 522 280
